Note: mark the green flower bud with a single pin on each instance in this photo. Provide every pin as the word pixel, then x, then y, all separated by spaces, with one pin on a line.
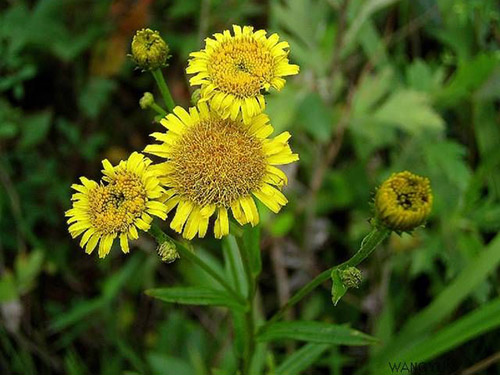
pixel 149 50
pixel 147 100
pixel 168 252
pixel 351 277
pixel 195 97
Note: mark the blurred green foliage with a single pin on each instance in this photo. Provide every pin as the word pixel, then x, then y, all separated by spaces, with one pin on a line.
pixel 385 85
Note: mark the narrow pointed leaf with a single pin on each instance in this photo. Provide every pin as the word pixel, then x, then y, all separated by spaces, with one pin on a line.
pixel 315 332
pixel 194 296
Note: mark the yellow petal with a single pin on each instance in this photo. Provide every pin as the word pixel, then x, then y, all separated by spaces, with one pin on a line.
pixel 238 213
pixel 92 243
pixel 183 115
pixel 105 245
pixel 192 224
pixel 250 210
pixel 181 215
pixel 222 223
pixel 124 243
pixel 268 201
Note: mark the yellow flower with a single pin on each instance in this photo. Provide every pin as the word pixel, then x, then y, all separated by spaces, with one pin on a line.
pixel 215 165
pixel 122 203
pixel 404 201
pixel 233 70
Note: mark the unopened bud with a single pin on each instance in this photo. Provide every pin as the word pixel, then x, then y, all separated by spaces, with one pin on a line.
pixel 168 252
pixel 147 100
pixel 149 50
pixel 195 97
pixel 351 277
pixel 403 202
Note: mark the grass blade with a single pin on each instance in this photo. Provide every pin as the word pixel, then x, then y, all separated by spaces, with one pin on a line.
pixel 315 332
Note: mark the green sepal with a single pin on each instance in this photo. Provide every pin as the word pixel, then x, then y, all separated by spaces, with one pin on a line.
pixel 338 287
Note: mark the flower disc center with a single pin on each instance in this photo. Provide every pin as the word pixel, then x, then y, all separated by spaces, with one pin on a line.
pixel 409 194
pixel 115 206
pixel 217 162
pixel 241 67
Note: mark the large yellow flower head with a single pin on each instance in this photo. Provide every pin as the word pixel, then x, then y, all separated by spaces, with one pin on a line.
pixel 234 70
pixel 122 203
pixel 215 165
pixel 403 201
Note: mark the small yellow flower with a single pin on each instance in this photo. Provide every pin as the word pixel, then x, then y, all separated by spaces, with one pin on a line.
pixel 215 165
pixel 122 203
pixel 233 70
pixel 404 201
pixel 149 50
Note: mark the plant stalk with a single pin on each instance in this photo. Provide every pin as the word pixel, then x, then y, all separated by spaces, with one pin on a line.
pixel 184 252
pixel 158 109
pixel 165 92
pixel 368 245
pixel 249 315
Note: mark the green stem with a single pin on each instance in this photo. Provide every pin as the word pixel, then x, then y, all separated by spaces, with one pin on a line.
pixel 165 92
pixel 369 243
pixel 184 252
pixel 158 109
pixel 249 315
pixel 304 291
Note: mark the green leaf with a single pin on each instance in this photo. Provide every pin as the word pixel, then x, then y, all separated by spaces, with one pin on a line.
pixel 283 108
pixel 371 90
pixel 160 362
pixel 301 359
pixel 8 290
pixel 240 331
pixel 469 76
pixel 305 26
pixel 194 296
pixel 8 130
pixel 251 244
pixel 338 287
pixel 421 77
pixel 410 111
pixel 35 128
pixel 315 332
pixel 27 269
pixel 373 45
pixel 95 96
pixel 78 312
pixel 282 224
pixel 315 117
pixel 480 321
pixel 368 8
pixel 445 303
pixel 115 282
pixel 234 266
pixel 260 357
